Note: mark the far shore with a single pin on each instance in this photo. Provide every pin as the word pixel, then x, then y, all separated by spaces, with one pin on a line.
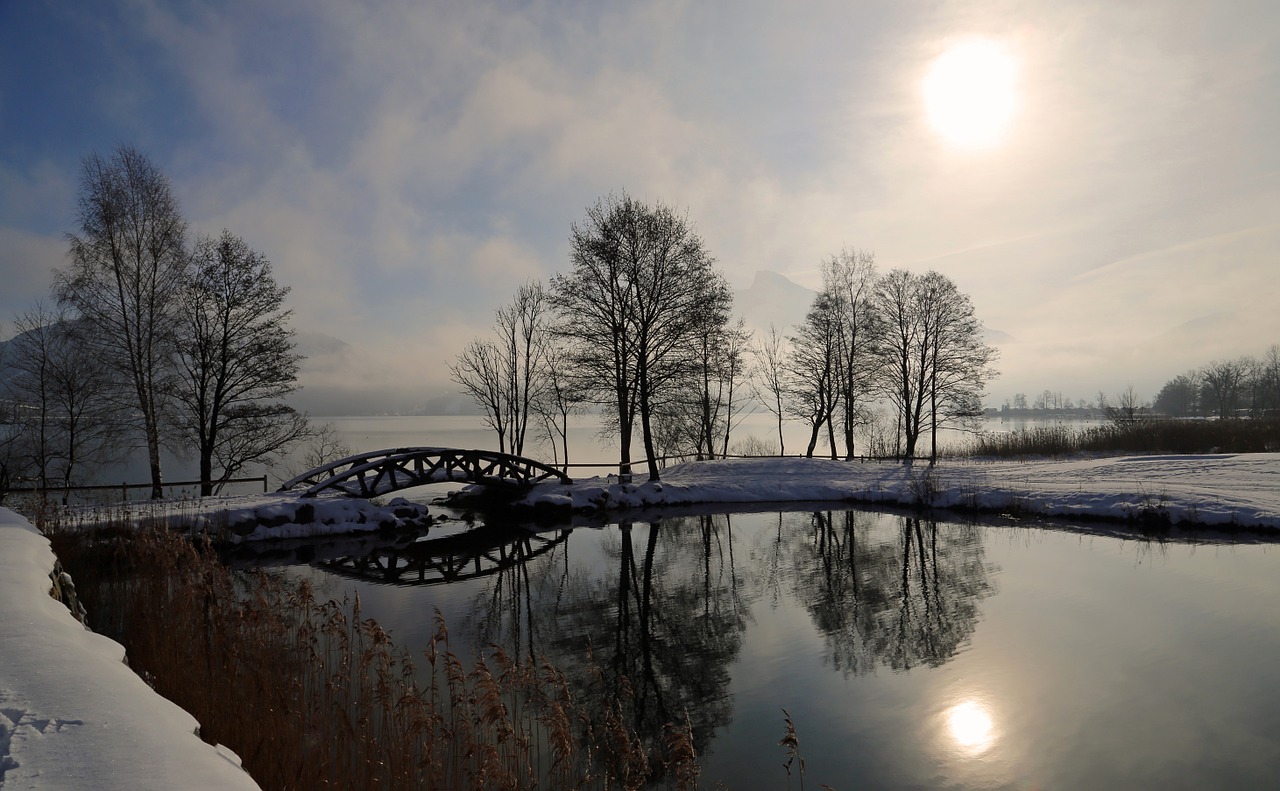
pixel 1219 491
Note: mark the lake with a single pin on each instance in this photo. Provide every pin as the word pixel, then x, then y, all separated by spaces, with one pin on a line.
pixel 909 653
pixel 586 445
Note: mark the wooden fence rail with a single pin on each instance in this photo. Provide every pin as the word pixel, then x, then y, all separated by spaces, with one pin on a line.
pixel 124 488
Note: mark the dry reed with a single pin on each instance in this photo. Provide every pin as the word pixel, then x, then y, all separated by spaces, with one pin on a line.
pixel 1144 436
pixel 313 695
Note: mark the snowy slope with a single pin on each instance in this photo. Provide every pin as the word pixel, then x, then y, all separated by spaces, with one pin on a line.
pixel 72 714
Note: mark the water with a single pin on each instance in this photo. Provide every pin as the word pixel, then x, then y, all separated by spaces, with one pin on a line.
pixel 586 446
pixel 909 653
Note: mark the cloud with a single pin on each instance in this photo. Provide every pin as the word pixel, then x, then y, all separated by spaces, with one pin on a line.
pixel 405 165
pixel 27 261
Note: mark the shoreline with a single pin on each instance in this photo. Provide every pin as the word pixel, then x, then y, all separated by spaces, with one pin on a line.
pixel 1225 492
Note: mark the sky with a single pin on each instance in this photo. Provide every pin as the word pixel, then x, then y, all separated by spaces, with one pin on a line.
pixel 1107 193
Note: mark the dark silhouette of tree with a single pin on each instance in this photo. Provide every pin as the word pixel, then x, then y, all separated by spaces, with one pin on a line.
pixel 65 418
pixel 640 293
pixel 1180 396
pixel 769 377
pixel 128 266
pixel 559 399
pixel 1265 383
pixel 236 361
pixel 904 352
pixel 508 377
pixel 1224 384
pixel 958 361
pixel 935 362
pixel 812 369
pixel 1125 409
pixel 848 279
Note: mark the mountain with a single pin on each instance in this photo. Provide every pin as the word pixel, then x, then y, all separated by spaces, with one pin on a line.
pixel 773 299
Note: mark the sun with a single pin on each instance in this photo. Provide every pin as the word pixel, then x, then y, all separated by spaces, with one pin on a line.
pixel 970 93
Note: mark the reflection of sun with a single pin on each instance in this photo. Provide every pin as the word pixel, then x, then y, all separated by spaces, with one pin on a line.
pixel 969 93
pixel 971 727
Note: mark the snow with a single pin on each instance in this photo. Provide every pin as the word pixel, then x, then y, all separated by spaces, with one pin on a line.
pixel 72 714
pixel 1226 490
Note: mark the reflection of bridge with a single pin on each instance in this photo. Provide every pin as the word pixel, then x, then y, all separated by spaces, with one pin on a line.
pixel 474 553
pixel 385 471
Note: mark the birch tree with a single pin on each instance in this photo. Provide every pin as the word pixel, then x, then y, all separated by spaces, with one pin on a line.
pixel 128 265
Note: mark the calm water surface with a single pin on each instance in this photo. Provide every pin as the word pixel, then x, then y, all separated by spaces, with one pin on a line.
pixel 910 653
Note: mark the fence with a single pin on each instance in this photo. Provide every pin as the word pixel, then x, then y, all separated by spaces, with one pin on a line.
pixel 123 488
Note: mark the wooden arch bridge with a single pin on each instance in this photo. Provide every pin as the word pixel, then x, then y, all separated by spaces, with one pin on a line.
pixel 384 471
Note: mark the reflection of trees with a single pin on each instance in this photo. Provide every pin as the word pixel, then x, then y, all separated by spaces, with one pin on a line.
pixel 663 616
pixel 897 598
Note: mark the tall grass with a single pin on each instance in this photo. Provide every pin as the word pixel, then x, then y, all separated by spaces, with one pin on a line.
pixel 313 695
pixel 1145 436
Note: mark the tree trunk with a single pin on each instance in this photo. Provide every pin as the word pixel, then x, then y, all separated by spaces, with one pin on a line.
pixel 813 438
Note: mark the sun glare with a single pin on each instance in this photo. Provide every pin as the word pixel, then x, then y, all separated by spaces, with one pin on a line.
pixel 971 727
pixel 969 93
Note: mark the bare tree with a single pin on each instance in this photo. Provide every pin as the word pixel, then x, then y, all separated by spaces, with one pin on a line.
pixel 734 370
pixel 904 352
pixel 769 377
pixel 935 362
pixel 959 362
pixel 507 377
pixel 848 279
pixel 559 399
pixel 322 447
pixel 595 302
pixel 1180 396
pixel 522 329
pixel 479 370
pixel 1266 383
pixel 1125 409
pixel 236 361
pixel 713 403
pixel 641 291
pixel 812 371
pixel 65 419
pixel 127 270
pixel 1224 382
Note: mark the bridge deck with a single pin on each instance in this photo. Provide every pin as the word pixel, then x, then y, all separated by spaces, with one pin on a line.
pixel 384 471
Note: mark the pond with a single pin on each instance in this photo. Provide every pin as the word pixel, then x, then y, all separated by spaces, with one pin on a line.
pixel 909 653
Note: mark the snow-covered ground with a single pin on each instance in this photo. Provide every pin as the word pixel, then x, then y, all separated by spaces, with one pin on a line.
pixel 1219 490
pixel 72 714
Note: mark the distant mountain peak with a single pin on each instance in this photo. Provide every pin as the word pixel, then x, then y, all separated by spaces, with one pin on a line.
pixel 772 298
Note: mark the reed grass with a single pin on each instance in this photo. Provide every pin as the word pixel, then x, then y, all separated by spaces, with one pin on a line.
pixel 314 695
pixel 1260 435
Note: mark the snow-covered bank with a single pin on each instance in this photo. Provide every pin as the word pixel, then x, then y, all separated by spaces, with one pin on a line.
pixel 1222 490
pixel 72 714
pixel 1217 490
